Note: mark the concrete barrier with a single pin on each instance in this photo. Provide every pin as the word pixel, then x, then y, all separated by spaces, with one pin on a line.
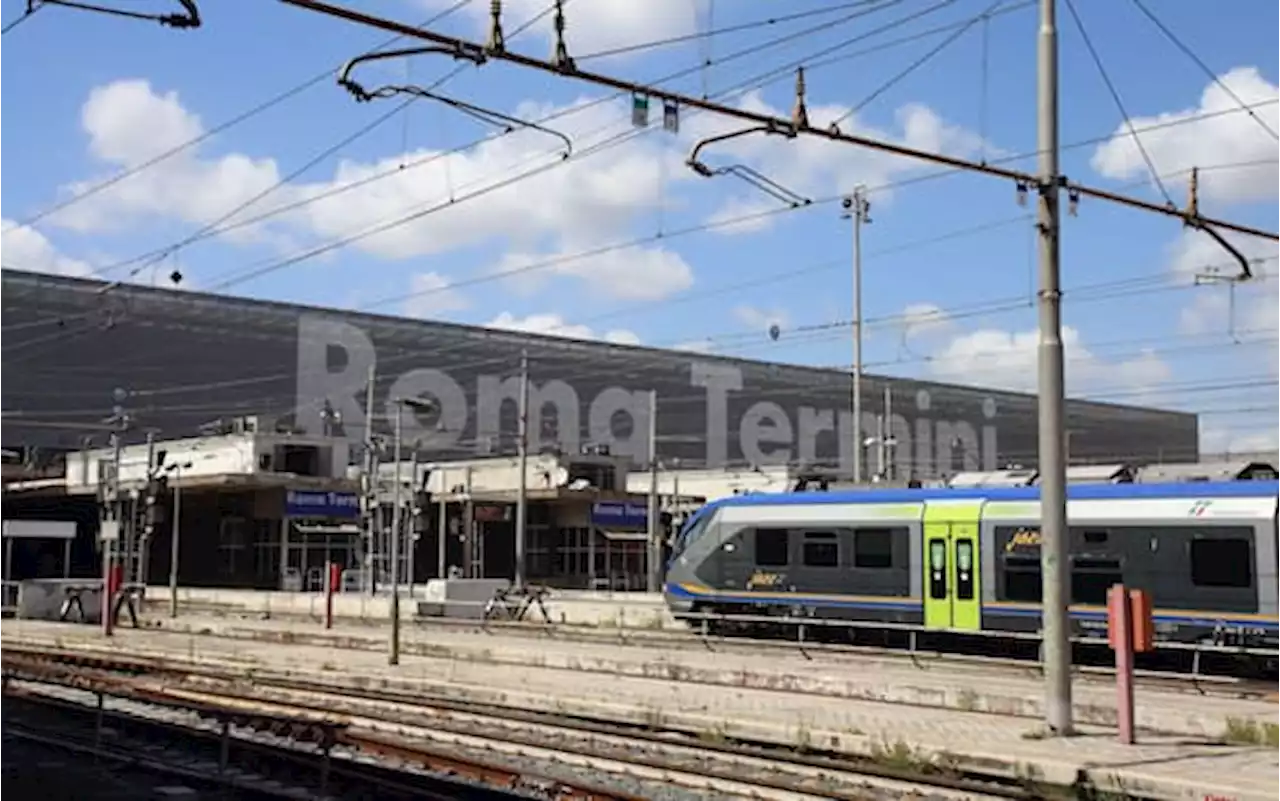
pixel 630 610
pixel 42 599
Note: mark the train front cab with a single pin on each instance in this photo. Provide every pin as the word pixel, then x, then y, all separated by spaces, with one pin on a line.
pixel 952 580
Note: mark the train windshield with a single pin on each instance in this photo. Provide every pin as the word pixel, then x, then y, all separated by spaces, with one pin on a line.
pixel 692 531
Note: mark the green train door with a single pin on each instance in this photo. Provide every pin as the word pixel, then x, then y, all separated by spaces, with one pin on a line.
pixel 952 590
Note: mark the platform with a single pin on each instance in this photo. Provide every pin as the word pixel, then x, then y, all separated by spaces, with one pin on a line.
pixel 1161 766
pixel 571 607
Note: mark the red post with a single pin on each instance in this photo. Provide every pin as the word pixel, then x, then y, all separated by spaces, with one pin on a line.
pixel 111 583
pixel 331 586
pixel 1120 633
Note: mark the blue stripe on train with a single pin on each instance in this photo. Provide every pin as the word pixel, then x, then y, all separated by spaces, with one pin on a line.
pixel 909 606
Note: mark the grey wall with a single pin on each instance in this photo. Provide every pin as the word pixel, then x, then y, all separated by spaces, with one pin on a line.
pixel 188 358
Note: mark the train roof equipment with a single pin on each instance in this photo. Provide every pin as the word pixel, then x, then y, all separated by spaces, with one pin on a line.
pixel 1214 489
pixel 1009 477
pixel 1207 472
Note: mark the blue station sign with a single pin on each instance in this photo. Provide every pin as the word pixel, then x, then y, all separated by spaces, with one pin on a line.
pixel 617 514
pixel 313 503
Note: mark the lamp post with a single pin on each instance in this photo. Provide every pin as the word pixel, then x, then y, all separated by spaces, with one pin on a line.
pixel 175 534
pixel 416 405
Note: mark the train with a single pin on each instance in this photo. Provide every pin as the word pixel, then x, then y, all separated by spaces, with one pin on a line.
pixel 959 561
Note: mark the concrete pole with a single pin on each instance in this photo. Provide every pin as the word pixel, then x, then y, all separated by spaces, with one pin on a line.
pixel 176 536
pixel 890 444
pixel 393 654
pixel 858 208
pixel 108 562
pixel 442 541
pixel 1055 622
pixel 654 558
pixel 522 492
pixel 370 486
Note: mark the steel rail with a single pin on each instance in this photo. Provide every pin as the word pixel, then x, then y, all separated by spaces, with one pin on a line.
pixel 240 706
pixel 422 710
pixel 1194 681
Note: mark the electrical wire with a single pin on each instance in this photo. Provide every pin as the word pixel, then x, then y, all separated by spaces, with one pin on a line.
pixel 711 33
pixel 419 214
pixel 222 127
pixel 399 170
pixel 1213 76
pixel 1115 96
pixel 919 62
pixel 32 8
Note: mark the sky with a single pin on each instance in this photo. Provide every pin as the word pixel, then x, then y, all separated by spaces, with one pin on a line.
pixel 294 191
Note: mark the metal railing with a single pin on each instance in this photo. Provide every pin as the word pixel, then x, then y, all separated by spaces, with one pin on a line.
pixel 9 597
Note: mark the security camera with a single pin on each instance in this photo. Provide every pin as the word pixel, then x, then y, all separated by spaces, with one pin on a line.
pixel 846 202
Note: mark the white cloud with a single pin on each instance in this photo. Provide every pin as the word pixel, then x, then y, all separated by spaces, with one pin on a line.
pixel 594 24
pixel 920 320
pixel 566 208
pixel 761 319
pixel 25 248
pixel 812 167
pixel 430 295
pixel 129 123
pixel 1008 360
pixel 696 346
pixel 634 273
pixel 555 325
pixel 1222 441
pixel 1226 138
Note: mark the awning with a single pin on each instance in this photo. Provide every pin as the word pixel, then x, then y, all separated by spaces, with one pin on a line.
pixel 348 529
pixel 624 536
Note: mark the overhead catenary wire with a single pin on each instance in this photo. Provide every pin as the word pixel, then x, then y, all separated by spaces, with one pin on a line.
pixel 204 136
pixel 712 32
pixel 1115 97
pixel 453 200
pixel 343 188
pixel 749 116
pixel 1213 76
pixel 928 56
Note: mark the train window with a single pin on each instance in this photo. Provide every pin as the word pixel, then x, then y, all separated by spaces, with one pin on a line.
pixel 821 549
pixel 873 548
pixel 771 547
pixel 1022 578
pixel 1092 577
pixel 964 570
pixel 1221 563
pixel 1095 537
pixel 937 568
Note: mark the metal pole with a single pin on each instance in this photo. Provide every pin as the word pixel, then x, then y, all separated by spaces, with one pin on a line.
pixel 140 541
pixel 654 558
pixel 372 509
pixel 1053 500
pixel 889 442
pixel 858 212
pixel 522 443
pixel 442 539
pixel 393 655
pixel 176 535
pixel 412 525
pixel 108 561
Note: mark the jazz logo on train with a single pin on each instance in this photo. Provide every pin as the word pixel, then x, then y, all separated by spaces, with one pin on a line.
pixel 1023 538
pixel 764 580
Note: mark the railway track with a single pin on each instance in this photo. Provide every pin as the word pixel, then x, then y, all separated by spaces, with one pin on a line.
pixel 499 743
pixel 1201 685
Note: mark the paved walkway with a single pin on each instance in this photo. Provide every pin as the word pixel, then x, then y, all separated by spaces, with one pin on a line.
pixel 1160 767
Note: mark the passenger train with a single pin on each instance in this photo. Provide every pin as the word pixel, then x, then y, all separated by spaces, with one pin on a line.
pixel 955 560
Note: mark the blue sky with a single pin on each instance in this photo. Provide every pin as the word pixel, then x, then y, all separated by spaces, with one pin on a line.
pixel 948 263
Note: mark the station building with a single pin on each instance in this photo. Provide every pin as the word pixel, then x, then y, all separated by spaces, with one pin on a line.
pixel 269 404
